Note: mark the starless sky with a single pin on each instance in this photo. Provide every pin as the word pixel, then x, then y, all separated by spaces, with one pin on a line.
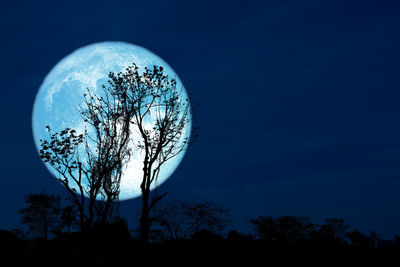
pixel 298 101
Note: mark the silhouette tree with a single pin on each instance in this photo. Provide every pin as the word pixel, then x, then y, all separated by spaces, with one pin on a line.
pixel 234 235
pixel 293 229
pixel 337 227
pixel 283 229
pixel 68 216
pixel 206 216
pixel 90 164
pixel 358 239
pixel 109 117
pixel 373 237
pixel 148 103
pixel 181 220
pixel 159 113
pixel 265 227
pixel 42 213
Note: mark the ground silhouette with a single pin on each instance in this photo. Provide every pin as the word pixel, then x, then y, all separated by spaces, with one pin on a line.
pixel 285 239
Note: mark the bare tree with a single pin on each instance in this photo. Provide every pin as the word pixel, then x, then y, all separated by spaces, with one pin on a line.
pixel 61 152
pixel 159 113
pixel 90 164
pixel 107 150
pixel 42 213
pixel 172 220
pixel 180 220
pixel 149 104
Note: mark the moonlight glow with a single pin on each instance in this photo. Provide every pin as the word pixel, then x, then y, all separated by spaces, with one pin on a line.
pixel 61 93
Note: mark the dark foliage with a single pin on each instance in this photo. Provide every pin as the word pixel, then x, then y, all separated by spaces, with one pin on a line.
pixel 90 165
pixel 283 229
pixel 153 97
pixel 68 216
pixel 178 220
pixel 299 231
pixel 290 239
pixel 42 214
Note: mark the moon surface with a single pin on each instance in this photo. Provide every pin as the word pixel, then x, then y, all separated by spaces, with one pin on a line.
pixel 61 93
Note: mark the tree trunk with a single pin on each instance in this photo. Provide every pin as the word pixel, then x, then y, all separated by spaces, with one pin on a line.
pixel 144 220
pixel 90 219
pixel 107 211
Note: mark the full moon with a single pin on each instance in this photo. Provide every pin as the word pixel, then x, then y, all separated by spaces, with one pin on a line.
pixel 87 68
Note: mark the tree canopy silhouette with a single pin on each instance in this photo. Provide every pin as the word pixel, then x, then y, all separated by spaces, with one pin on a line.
pixel 147 102
pixel 68 216
pixel 283 229
pixel 160 113
pixel 42 213
pixel 180 220
pixel 90 164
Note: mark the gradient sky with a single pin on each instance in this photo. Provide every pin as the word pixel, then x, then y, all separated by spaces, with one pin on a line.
pixel 298 101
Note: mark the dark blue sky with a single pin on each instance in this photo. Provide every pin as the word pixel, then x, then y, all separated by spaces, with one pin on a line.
pixel 298 100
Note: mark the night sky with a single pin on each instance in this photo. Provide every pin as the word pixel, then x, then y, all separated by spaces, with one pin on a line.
pixel 298 101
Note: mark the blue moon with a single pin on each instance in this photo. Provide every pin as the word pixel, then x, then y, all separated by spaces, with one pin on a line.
pixel 62 90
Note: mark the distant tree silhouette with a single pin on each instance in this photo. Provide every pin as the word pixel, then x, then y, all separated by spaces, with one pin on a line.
pixel 19 233
pixel 180 220
pixel 68 216
pixel 294 229
pixel 207 216
pixel 265 227
pixel 90 164
pixel 283 229
pixel 337 227
pixel 159 112
pixel 373 238
pixel 358 239
pixel 234 235
pixel 41 213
